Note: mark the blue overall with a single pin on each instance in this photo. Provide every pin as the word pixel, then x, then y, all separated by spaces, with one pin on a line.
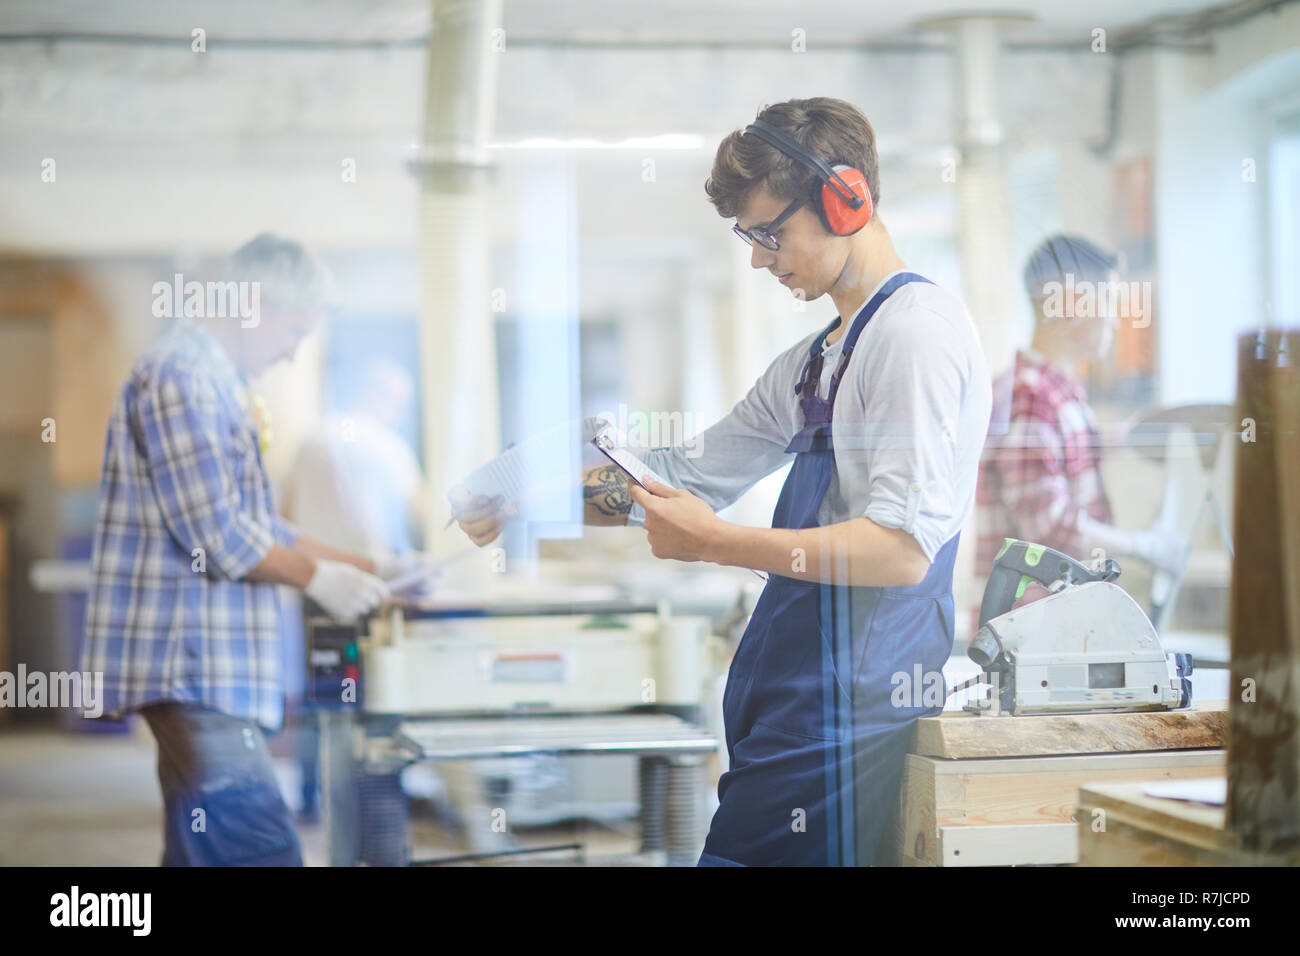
pixel 827 681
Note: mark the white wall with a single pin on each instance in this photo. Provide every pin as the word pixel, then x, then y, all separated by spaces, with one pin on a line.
pixel 1212 117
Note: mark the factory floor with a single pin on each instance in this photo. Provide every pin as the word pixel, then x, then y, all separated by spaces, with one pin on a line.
pixel 79 799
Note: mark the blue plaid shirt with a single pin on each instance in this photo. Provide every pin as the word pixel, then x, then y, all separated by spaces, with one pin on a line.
pixel 185 511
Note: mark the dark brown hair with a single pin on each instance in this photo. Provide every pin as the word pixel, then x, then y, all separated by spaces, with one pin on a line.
pixel 831 129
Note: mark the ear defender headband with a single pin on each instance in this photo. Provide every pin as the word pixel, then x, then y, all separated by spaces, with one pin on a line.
pixel 840 196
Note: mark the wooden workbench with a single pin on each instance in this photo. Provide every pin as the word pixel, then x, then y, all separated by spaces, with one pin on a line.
pixel 996 791
pixel 1140 830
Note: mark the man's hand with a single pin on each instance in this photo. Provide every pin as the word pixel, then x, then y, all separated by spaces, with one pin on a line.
pixel 345 591
pixel 678 524
pixel 480 517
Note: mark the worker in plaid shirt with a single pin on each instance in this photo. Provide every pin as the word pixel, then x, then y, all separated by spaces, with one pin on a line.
pixel 183 618
pixel 1040 476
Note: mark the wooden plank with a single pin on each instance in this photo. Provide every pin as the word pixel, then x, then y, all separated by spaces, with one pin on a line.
pixel 1139 830
pixel 1081 763
pixel 86 375
pixel 1018 791
pixel 1122 844
pixel 1263 807
pixel 26 289
pixel 914 824
pixel 5 663
pixel 1036 844
pixel 1197 824
pixel 962 735
pixel 1052 796
pixel 26 381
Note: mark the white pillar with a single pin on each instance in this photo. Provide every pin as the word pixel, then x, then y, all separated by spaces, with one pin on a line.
pixel 984 231
pixel 984 223
pixel 457 344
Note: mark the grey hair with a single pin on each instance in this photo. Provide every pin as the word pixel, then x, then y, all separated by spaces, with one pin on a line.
pixel 290 274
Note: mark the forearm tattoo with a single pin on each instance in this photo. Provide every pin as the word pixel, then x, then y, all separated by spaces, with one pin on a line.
pixel 607 491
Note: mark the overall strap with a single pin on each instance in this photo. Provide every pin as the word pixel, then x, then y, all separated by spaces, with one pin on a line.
pixel 814 359
pixel 865 314
pixel 815 434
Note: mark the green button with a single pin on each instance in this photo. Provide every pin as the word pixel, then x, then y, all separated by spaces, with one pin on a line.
pixel 350 652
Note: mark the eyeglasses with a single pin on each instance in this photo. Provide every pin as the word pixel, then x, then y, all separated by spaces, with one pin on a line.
pixel 765 235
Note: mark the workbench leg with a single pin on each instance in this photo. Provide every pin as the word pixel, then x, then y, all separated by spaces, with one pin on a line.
pixel 338 784
pixel 682 811
pixel 384 820
pixel 653 778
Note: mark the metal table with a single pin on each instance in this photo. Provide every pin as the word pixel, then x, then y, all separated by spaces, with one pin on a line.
pixel 671 748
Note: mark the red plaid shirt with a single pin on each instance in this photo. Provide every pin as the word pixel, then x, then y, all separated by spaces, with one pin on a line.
pixel 1039 471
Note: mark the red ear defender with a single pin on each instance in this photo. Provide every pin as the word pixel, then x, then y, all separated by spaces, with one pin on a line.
pixel 832 199
pixel 841 218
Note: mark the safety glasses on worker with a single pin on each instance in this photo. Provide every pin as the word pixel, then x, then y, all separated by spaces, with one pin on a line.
pixel 765 235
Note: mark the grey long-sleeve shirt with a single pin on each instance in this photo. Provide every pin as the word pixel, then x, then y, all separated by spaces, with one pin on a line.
pixel 910 419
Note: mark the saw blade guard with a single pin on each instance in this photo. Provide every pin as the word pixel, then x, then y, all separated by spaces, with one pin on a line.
pixel 1022 562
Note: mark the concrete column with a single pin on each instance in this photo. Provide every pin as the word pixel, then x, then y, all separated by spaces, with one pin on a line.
pixel 984 224
pixel 984 228
pixel 457 344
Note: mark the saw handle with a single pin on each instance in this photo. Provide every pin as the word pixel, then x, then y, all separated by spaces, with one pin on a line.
pixel 1020 562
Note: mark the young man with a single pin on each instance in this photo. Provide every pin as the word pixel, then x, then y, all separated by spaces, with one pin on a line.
pixel 182 618
pixel 883 413
pixel 1040 479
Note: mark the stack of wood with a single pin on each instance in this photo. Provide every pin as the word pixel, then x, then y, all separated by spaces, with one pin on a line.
pixel 1002 791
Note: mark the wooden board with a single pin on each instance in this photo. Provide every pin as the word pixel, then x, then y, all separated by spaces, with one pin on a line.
pixel 26 288
pixel 963 735
pixel 1263 807
pixel 1015 796
pixel 1138 830
pixel 1041 844
pixel 5 663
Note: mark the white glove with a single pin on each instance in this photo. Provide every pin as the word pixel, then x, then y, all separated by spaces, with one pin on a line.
pixel 1156 547
pixel 389 566
pixel 345 591
pixel 1160 549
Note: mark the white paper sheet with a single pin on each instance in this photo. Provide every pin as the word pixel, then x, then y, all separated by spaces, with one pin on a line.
pixel 1211 790
pixel 535 461
pixel 629 462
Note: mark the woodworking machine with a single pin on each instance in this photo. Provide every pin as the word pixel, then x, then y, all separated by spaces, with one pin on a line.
pixel 557 658
pixel 1085 647
pixel 511 684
